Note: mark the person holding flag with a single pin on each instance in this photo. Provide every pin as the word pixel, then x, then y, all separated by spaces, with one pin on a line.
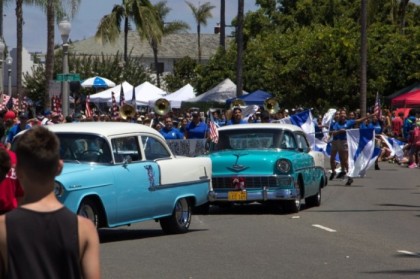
pixel 339 142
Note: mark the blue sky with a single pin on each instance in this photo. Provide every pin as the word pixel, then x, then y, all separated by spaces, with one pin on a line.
pixel 91 11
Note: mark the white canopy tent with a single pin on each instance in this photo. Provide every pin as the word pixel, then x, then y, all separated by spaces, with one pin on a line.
pixel 184 93
pixel 218 94
pixel 144 93
pixel 106 95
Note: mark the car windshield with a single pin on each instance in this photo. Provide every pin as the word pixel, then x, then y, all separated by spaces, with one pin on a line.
pixel 84 148
pixel 247 139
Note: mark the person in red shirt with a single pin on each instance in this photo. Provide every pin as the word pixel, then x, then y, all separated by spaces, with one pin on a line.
pixel 11 191
pixel 397 124
pixel 4 164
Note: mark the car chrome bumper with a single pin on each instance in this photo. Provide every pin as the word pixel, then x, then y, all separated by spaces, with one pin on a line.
pixel 257 195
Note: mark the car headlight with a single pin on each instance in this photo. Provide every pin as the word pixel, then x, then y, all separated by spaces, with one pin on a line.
pixel 58 189
pixel 283 166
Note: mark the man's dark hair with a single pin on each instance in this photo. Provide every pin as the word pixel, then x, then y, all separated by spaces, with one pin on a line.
pixel 37 152
pixel 5 163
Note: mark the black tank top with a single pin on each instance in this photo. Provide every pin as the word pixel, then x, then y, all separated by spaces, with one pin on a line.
pixel 42 244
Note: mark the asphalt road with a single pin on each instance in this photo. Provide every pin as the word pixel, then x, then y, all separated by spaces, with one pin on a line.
pixel 368 230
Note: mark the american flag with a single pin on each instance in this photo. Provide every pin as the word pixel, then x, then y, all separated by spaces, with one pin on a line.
pixel 377 109
pixel 214 133
pixel 56 104
pixel 114 113
pixel 6 103
pixel 122 99
pixel 133 99
pixel 88 111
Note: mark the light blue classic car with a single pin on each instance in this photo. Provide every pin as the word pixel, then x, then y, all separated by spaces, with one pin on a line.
pixel 266 163
pixel 120 173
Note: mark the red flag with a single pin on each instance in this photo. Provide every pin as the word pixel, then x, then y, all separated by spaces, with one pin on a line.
pixel 88 111
pixel 214 133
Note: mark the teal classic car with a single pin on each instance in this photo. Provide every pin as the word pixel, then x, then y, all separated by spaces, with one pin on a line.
pixel 266 163
pixel 120 173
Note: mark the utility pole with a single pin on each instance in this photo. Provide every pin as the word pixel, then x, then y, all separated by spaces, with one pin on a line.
pixel 363 58
pixel 239 43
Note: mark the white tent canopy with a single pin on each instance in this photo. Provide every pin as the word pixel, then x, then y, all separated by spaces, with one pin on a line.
pixel 106 95
pixel 219 94
pixel 146 92
pixel 185 93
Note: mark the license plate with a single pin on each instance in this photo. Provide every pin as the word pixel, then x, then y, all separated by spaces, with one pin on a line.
pixel 237 196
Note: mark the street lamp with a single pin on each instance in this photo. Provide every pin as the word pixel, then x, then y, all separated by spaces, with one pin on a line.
pixel 2 46
pixel 9 61
pixel 65 27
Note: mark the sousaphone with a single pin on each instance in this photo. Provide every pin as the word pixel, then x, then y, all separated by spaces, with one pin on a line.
pixel 127 111
pixel 271 105
pixel 237 103
pixel 162 106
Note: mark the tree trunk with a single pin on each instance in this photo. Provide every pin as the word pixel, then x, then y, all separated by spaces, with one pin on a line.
pixel 49 61
pixel 126 39
pixel 222 24
pixel 19 39
pixel 199 43
pixel 155 57
pixel 363 58
pixel 239 42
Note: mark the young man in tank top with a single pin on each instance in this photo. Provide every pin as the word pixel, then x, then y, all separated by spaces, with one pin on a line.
pixel 42 238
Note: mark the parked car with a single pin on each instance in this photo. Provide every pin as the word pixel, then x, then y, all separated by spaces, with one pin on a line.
pixel 266 163
pixel 120 173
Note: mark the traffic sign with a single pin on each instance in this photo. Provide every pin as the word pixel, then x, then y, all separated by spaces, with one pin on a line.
pixel 68 77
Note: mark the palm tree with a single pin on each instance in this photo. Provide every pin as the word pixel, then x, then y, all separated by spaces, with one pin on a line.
pixel 239 42
pixel 141 12
pixel 167 28
pixel 201 14
pixel 52 8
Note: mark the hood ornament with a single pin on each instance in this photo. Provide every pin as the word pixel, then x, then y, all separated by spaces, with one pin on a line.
pixel 236 167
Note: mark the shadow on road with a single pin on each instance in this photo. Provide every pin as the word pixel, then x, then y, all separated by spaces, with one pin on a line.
pixel 248 209
pixel 114 235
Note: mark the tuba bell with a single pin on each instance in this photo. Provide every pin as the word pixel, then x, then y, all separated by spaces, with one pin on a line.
pixel 237 103
pixel 127 111
pixel 162 106
pixel 271 105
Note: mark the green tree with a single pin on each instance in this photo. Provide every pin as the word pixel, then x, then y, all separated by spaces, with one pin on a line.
pixel 140 12
pixel 184 72
pixel 87 66
pixel 201 14
pixel 55 11
pixel 167 28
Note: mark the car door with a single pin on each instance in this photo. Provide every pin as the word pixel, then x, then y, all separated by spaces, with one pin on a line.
pixel 310 171
pixel 134 178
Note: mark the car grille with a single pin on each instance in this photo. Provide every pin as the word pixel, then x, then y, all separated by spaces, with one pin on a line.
pixel 250 182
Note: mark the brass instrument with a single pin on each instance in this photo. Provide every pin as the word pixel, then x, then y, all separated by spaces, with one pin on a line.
pixel 162 106
pixel 237 103
pixel 127 111
pixel 271 105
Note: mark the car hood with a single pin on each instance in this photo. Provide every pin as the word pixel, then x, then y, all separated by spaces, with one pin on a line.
pixel 70 168
pixel 247 161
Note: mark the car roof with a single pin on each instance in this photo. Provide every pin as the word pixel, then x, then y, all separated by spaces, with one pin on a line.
pixel 106 129
pixel 261 126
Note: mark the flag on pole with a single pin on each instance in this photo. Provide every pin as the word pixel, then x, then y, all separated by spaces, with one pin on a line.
pixel 9 104
pixel 303 120
pixel 88 111
pixel 362 151
pixel 213 131
pixel 377 109
pixel 114 113
pixel 122 99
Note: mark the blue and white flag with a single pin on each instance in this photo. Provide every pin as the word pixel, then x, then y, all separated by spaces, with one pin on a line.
pixel 396 147
pixel 362 151
pixel 304 120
